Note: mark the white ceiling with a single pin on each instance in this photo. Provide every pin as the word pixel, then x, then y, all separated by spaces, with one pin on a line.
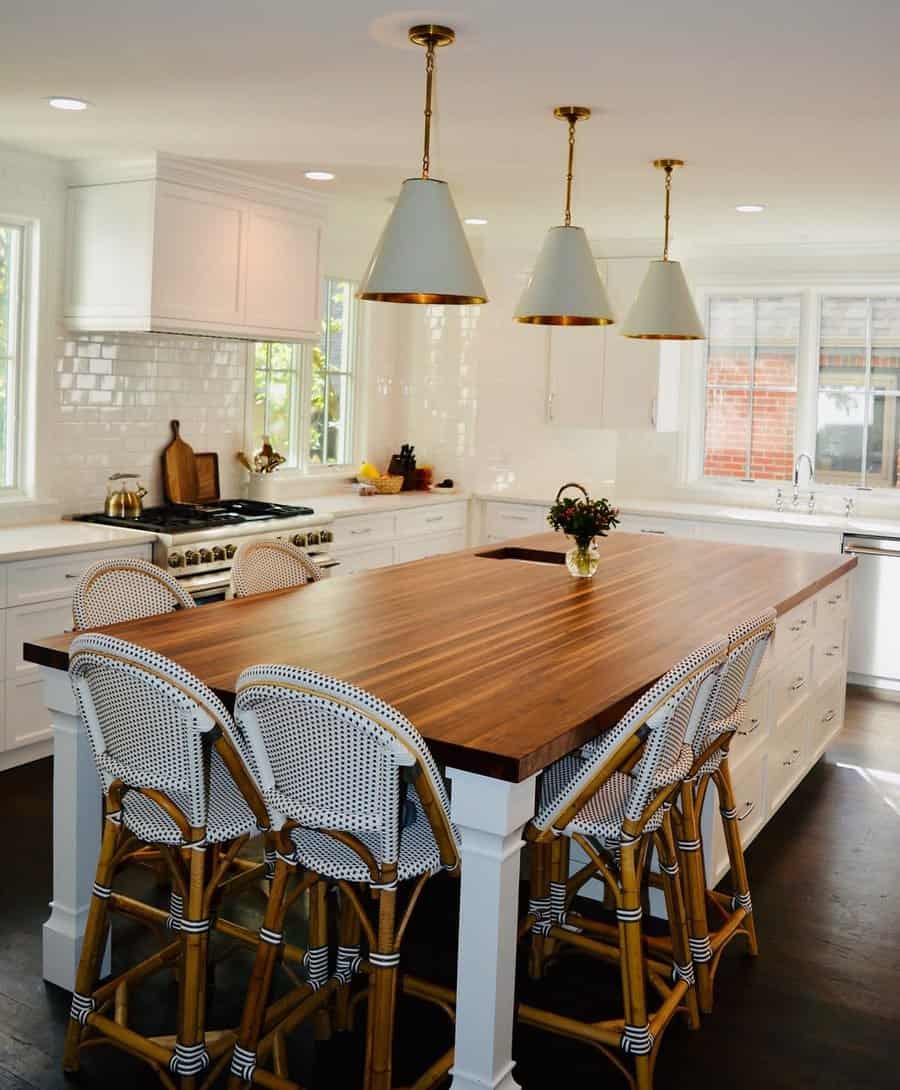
pixel 795 105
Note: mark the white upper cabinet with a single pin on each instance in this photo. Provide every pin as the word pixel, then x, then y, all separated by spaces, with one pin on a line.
pixel 596 377
pixel 193 249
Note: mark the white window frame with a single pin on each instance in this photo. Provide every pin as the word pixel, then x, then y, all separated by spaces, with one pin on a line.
pixel 15 456
pixel 302 361
pixel 812 290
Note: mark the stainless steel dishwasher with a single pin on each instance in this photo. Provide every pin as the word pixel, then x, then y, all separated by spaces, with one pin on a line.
pixel 874 639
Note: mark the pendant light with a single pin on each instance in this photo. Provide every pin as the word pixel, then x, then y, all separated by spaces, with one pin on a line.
pixel 565 287
pixel 422 255
pixel 664 309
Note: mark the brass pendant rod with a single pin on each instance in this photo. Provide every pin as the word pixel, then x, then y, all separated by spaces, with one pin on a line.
pixel 668 165
pixel 668 170
pixel 570 172
pixel 429 85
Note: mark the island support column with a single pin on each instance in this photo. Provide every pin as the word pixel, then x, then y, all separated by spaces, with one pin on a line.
pixel 77 813
pixel 490 815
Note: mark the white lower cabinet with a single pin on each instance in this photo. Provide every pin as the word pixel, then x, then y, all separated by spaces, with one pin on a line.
pixel 363 542
pixel 38 603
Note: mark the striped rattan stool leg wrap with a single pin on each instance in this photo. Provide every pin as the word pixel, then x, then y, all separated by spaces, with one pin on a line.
pixel 741 901
pixel 637 1040
pixel 683 966
pixel 382 996
pixel 690 856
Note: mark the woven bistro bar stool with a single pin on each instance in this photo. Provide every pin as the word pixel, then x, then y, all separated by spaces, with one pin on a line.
pixel 732 913
pixel 114 591
pixel 172 776
pixel 263 566
pixel 614 801
pixel 355 797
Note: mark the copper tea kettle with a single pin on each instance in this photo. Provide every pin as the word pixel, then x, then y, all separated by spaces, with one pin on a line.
pixel 122 500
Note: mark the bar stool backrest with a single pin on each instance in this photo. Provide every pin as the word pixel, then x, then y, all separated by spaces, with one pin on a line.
pixel 328 755
pixel 263 566
pixel 113 591
pixel 747 644
pixel 662 717
pixel 145 717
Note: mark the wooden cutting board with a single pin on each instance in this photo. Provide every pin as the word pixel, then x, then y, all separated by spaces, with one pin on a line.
pixel 207 477
pixel 179 469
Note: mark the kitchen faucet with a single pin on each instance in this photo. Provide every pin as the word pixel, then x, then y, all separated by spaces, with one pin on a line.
pixel 812 477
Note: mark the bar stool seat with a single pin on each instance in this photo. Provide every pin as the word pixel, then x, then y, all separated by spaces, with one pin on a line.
pixel 228 816
pixel 419 852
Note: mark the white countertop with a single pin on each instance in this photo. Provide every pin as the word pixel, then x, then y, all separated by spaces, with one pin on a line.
pixel 351 503
pixel 825 522
pixel 38 539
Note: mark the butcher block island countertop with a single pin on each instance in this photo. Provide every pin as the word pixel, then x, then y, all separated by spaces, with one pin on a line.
pixel 503 664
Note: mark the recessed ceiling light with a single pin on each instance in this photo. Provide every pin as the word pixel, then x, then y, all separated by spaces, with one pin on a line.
pixel 319 175
pixel 749 208
pixel 475 221
pixel 63 102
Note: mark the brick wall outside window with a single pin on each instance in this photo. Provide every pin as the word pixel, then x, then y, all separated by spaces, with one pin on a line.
pixel 751 386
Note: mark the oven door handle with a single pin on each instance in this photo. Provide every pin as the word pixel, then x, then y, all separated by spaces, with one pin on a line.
pixel 868 550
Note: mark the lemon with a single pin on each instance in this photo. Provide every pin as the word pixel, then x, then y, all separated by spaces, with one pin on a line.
pixel 368 471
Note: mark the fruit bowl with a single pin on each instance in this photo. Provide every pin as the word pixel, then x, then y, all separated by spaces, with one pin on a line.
pixel 387 486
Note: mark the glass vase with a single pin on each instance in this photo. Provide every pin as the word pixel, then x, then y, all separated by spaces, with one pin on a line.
pixel 583 559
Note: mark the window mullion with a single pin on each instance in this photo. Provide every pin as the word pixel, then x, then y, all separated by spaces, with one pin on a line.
pixel 867 398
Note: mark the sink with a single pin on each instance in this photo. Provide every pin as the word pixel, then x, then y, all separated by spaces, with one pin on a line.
pixel 531 556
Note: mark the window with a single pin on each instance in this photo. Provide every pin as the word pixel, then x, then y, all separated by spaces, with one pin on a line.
pixel 858 372
pixel 303 394
pixel 750 392
pixel 11 281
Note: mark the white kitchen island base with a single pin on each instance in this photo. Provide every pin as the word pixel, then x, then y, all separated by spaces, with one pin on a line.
pixel 490 815
pixel 77 820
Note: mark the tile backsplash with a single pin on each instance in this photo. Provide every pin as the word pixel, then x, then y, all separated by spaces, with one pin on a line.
pixel 115 395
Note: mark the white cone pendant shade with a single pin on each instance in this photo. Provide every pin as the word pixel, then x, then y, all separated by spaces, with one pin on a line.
pixel 565 287
pixel 664 309
pixel 423 255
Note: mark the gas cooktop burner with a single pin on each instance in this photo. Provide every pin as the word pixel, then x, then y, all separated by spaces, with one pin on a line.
pixel 182 518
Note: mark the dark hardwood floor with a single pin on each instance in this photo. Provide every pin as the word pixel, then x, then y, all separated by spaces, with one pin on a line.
pixel 819 1008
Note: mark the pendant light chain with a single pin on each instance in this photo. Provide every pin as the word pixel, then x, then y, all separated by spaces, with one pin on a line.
pixel 429 86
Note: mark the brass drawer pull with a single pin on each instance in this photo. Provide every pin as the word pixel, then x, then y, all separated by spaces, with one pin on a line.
pixel 795 628
pixel 362 530
pixel 828 717
pixel 754 725
pixel 835 649
pixel 798 684
pixel 435 518
pixel 834 601
pixel 796 754
pixel 751 806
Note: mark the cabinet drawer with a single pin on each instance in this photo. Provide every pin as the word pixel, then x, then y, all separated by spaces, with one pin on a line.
pixel 755 727
pixel 55 576
pixel 827 715
pixel 504 520
pixel 648 524
pixel 831 650
pixel 26 717
pixel 432 519
pixel 792 628
pixel 748 783
pixel 430 546
pixel 792 682
pixel 832 603
pixel 361 530
pixel 788 756
pixel 25 623
pixel 356 560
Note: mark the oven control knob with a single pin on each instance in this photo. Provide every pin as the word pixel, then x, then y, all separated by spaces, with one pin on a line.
pixel 190 557
pixel 175 560
pixel 230 550
pixel 206 556
pixel 299 539
pixel 218 552
pixel 325 536
pixel 312 538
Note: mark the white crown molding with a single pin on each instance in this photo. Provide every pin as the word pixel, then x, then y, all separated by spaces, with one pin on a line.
pixel 180 170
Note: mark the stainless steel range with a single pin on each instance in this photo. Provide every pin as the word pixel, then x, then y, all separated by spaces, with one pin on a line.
pixel 197 543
